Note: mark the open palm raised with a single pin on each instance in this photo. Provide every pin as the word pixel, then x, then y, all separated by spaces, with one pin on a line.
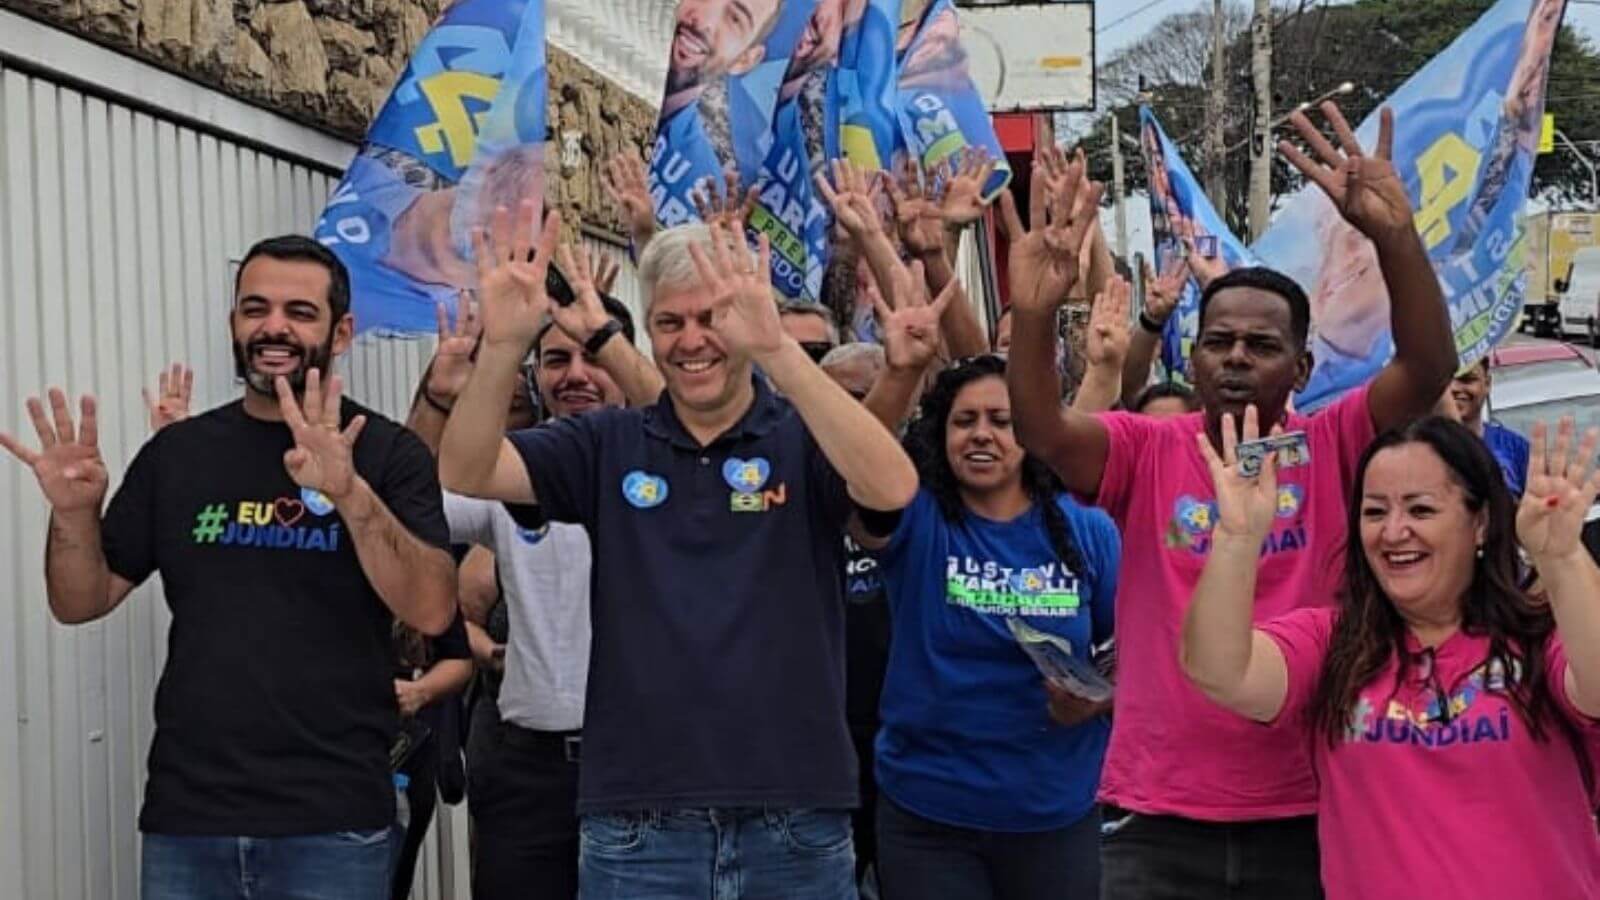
pixel 1561 489
pixel 1366 189
pixel 67 464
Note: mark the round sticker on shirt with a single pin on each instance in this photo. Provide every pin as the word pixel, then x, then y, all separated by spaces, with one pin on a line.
pixel 643 490
pixel 316 501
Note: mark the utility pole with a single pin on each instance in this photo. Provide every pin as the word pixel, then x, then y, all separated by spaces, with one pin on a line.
pixel 1216 150
pixel 1118 187
pixel 1261 143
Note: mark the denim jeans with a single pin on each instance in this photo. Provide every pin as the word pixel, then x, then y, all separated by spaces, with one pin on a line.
pixel 919 858
pixel 717 854
pixel 345 865
pixel 1146 857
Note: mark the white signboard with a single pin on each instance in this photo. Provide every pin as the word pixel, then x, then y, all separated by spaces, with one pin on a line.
pixel 1031 56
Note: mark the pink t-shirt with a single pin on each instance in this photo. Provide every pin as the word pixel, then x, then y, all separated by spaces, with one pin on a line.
pixel 1173 751
pixel 1413 805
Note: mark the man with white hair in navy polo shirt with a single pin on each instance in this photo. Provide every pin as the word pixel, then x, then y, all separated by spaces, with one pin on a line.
pixel 716 754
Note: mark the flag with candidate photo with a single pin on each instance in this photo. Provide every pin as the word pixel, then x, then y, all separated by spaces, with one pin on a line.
pixel 462 132
pixel 1467 129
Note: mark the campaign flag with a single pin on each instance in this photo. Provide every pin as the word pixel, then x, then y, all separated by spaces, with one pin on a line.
pixel 940 110
pixel 461 134
pixel 1182 216
pixel 1466 134
pixel 863 124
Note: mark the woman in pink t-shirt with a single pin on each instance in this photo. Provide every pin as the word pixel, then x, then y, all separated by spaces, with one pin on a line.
pixel 1449 714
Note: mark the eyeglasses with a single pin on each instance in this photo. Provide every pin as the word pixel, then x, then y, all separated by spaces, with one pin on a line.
pixel 817 349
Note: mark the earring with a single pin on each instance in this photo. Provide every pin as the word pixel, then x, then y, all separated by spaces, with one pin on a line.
pixel 1480 551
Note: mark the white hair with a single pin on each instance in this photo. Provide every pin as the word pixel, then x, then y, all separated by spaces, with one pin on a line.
pixel 844 354
pixel 666 263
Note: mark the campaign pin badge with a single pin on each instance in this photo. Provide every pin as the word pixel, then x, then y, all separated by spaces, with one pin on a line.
pixel 643 490
pixel 316 501
pixel 746 475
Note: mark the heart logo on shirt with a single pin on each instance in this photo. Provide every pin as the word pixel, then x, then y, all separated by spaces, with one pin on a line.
pixel 746 475
pixel 643 490
pixel 288 511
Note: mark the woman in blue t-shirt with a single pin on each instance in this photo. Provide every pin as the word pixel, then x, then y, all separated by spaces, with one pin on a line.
pixel 988 776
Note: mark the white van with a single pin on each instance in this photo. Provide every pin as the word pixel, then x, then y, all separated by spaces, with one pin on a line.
pixel 1580 302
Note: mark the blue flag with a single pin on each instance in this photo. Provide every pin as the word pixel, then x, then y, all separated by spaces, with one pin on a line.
pixel 940 110
pixel 1466 134
pixel 1182 217
pixel 461 134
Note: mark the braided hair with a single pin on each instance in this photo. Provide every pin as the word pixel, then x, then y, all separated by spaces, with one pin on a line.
pixel 925 444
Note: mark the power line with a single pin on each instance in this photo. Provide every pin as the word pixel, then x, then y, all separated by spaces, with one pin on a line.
pixel 1123 18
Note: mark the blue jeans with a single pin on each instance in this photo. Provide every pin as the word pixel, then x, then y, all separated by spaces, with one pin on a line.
pixel 717 854
pixel 345 865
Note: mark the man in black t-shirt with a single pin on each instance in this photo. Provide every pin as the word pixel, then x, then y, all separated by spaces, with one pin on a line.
pixel 290 528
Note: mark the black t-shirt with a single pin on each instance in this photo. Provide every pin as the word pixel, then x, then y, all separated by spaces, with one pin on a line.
pixel 716 672
pixel 276 708
pixel 866 629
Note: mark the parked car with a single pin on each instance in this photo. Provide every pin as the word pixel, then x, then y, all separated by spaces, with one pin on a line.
pixel 1541 382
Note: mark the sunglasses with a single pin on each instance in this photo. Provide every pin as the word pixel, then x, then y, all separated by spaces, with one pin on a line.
pixel 816 349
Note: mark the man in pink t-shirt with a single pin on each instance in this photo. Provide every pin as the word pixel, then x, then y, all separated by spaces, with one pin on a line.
pixel 1200 803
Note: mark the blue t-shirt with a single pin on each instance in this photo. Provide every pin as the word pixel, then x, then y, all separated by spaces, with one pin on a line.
pixel 1511 452
pixel 967 738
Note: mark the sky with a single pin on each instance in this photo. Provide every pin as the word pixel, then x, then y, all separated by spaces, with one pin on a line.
pixel 1108 41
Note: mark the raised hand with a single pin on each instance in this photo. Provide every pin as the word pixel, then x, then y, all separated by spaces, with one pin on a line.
pixel 1366 190
pixel 625 181
pixel 1161 293
pixel 1561 489
pixel 604 273
pixel 170 403
pixel 452 357
pixel 720 208
pixel 963 188
pixel 323 456
pixel 1246 507
pixel 1044 256
pixel 511 270
pixel 1106 342
pixel 850 196
pixel 916 212
pixel 67 464
pixel 586 314
pixel 744 313
pixel 909 331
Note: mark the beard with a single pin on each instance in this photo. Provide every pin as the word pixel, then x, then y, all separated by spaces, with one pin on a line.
pixel 313 357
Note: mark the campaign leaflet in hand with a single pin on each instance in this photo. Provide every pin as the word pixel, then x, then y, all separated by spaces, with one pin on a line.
pixel 1059 665
pixel 1292 447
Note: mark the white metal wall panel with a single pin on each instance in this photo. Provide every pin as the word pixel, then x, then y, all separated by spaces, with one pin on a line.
pixel 118 229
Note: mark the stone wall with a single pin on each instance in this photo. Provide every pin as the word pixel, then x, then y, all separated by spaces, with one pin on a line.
pixel 331 64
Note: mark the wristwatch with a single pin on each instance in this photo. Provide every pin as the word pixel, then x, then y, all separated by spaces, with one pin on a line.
pixel 603 334
pixel 1149 324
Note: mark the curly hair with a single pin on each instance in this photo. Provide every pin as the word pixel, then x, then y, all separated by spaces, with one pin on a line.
pixel 1369 631
pixel 925 444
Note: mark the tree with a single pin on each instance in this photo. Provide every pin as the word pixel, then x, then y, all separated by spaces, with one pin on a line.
pixel 1375 44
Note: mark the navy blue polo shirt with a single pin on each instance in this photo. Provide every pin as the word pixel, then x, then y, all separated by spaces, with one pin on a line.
pixel 716 675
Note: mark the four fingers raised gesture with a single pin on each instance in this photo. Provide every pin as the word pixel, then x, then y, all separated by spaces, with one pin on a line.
pixel 67 464
pixel 170 403
pixel 323 455
pixel 1561 488
pixel 1365 188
